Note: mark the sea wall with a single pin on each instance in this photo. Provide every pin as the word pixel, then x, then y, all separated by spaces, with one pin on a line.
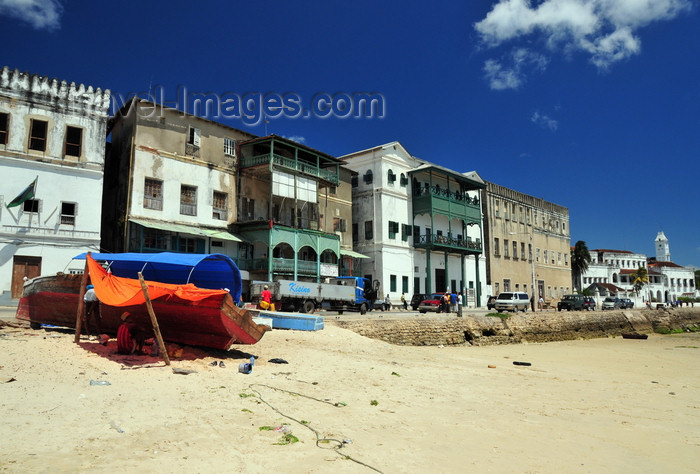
pixel 523 327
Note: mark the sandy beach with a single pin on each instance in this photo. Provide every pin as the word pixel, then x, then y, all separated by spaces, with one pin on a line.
pixel 354 404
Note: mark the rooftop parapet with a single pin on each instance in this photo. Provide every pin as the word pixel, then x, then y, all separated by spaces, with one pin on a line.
pixel 66 97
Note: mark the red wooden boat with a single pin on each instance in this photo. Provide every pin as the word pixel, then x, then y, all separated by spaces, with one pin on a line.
pixel 186 314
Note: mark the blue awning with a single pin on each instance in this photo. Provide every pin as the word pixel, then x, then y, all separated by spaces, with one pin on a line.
pixel 214 271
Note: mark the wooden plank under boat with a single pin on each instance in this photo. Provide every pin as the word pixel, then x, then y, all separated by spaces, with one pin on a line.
pixel 214 321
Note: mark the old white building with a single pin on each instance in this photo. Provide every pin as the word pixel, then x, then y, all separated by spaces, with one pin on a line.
pixel 610 272
pixel 52 142
pixel 419 224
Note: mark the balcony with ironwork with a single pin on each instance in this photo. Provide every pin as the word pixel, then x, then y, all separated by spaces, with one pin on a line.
pixel 434 199
pixel 280 266
pixel 448 244
pixel 286 155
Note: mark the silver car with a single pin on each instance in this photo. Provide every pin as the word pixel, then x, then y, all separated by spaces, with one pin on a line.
pixel 512 301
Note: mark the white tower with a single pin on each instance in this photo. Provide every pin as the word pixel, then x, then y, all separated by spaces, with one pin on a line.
pixel 663 252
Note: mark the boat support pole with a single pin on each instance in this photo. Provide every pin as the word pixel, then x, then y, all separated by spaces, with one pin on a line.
pixel 81 303
pixel 154 321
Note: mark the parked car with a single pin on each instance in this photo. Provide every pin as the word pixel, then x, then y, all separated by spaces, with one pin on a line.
pixel 491 304
pixel 431 303
pixel 416 299
pixel 626 303
pixel 589 303
pixel 571 303
pixel 512 301
pixel 612 303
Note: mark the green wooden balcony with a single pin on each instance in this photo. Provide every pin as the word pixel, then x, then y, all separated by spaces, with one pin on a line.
pixel 292 164
pixel 433 199
pixel 448 244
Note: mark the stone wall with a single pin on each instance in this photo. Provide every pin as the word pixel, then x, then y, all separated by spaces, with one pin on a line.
pixel 523 327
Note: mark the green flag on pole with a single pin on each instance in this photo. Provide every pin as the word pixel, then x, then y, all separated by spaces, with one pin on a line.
pixel 25 195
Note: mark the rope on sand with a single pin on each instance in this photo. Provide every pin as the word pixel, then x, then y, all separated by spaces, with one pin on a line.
pixel 319 438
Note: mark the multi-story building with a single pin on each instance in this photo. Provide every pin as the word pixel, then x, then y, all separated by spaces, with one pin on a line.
pixel 419 224
pixel 170 182
pixel 52 142
pixel 294 210
pixel 612 266
pixel 527 243
pixel 668 281
pixel 610 274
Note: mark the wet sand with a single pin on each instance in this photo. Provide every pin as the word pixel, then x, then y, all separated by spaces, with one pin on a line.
pixel 354 404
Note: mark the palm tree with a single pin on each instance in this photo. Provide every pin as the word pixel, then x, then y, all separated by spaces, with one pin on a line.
pixel 580 258
pixel 639 279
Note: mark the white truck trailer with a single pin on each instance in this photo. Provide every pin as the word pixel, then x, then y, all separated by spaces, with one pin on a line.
pixel 341 294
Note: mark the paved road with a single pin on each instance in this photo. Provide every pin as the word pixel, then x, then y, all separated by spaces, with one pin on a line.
pixel 8 312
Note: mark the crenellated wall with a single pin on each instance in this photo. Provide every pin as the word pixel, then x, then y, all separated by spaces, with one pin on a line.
pixel 67 97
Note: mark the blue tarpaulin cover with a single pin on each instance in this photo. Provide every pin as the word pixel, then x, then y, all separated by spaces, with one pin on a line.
pixel 213 270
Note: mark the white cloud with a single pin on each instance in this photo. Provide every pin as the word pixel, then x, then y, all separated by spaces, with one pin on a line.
pixel 605 29
pixel 510 72
pixel 297 138
pixel 544 121
pixel 38 13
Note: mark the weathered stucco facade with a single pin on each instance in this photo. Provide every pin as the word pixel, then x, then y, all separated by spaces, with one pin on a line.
pixel 527 238
pixel 294 212
pixel 52 134
pixel 170 182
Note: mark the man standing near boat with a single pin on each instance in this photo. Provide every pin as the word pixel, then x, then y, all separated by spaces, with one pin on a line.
pixel 92 309
pixel 266 299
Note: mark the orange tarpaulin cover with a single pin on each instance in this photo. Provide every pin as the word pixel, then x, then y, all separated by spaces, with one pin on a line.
pixel 117 291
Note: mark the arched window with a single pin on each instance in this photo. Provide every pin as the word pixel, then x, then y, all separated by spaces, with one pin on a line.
pixel 368 177
pixel 391 177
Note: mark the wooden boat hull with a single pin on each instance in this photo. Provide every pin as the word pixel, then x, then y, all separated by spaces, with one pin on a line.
pixel 212 322
pixel 634 335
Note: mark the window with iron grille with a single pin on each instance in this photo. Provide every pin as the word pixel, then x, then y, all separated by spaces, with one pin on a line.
pixel 37 135
pixel 188 200
pixel 4 128
pixel 229 147
pixel 74 141
pixel 220 205
pixel 68 212
pixel 153 194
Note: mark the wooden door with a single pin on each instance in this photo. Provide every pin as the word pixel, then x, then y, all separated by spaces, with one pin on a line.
pixel 23 266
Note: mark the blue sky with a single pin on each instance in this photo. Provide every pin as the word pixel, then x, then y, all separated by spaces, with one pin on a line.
pixel 591 104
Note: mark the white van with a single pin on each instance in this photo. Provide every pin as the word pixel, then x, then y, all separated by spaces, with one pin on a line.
pixel 512 301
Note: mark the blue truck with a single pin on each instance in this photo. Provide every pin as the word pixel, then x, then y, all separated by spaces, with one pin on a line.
pixel 339 294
